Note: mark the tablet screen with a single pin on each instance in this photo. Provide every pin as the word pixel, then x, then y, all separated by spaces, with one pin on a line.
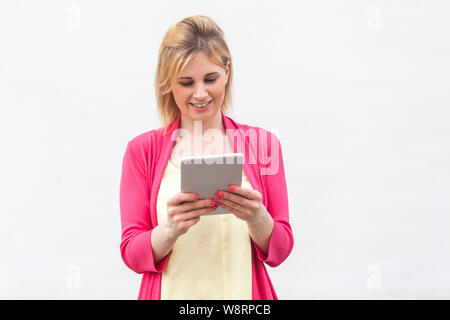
pixel 207 175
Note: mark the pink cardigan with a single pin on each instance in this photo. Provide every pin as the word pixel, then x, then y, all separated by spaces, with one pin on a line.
pixel 143 164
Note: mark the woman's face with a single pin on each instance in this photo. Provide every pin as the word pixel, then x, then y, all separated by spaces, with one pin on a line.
pixel 201 81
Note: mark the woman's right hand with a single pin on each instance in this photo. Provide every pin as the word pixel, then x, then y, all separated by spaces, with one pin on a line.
pixel 184 210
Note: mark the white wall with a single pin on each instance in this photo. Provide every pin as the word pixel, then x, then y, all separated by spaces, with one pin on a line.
pixel 357 92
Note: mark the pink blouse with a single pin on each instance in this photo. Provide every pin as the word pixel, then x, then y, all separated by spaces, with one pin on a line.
pixel 143 164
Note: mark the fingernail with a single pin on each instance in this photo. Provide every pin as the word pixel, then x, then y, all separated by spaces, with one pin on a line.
pixel 220 194
pixel 196 197
pixel 231 188
pixel 213 203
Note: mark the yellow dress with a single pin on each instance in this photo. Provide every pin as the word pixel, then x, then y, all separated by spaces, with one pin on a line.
pixel 212 260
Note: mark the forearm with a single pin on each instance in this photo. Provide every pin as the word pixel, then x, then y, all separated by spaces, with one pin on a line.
pixel 260 229
pixel 162 243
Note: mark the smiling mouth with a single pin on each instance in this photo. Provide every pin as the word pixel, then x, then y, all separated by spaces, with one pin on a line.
pixel 205 106
pixel 200 103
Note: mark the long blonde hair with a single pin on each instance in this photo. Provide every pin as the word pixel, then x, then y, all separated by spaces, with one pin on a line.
pixel 181 42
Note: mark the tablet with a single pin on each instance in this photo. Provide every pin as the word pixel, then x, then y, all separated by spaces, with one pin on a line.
pixel 206 175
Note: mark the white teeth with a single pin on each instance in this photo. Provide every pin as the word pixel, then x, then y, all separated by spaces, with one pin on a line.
pixel 200 105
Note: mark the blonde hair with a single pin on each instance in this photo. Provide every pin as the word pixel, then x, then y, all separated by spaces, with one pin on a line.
pixel 182 41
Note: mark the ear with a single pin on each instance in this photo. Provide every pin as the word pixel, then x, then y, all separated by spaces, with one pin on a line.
pixel 227 68
pixel 227 71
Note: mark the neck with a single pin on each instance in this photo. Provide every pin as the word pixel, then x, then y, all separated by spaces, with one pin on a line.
pixel 195 127
pixel 201 137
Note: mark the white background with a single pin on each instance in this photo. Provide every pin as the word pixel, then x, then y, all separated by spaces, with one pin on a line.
pixel 357 91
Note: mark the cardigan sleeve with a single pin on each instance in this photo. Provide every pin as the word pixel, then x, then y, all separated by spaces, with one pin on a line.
pixel 135 246
pixel 281 240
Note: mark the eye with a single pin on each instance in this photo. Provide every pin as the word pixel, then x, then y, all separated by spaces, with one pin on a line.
pixel 189 83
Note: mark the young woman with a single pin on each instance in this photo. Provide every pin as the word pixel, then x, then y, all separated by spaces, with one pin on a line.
pixel 181 253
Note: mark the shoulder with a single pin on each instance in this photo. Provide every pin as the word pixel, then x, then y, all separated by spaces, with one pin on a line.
pixel 142 138
pixel 249 128
pixel 266 147
pixel 259 134
pixel 145 142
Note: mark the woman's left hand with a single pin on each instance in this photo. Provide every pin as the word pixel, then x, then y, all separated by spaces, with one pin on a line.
pixel 244 203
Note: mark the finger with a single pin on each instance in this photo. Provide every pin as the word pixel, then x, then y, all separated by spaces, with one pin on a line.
pixel 235 206
pixel 190 206
pixel 231 209
pixel 198 204
pixel 182 216
pixel 203 211
pixel 189 223
pixel 180 197
pixel 245 192
pixel 240 200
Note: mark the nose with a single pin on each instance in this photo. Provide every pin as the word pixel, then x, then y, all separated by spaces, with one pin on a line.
pixel 200 92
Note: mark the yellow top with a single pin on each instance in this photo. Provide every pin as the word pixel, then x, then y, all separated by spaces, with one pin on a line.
pixel 212 260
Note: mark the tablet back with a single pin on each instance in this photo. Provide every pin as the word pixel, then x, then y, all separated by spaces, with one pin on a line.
pixel 207 175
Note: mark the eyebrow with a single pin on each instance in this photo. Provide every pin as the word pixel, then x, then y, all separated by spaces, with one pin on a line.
pixel 208 74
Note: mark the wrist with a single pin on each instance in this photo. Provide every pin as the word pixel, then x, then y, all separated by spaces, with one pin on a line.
pixel 169 235
pixel 258 216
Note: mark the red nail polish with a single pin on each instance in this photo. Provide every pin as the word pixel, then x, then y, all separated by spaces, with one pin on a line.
pixel 231 188
pixel 196 197
pixel 220 194
pixel 212 202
